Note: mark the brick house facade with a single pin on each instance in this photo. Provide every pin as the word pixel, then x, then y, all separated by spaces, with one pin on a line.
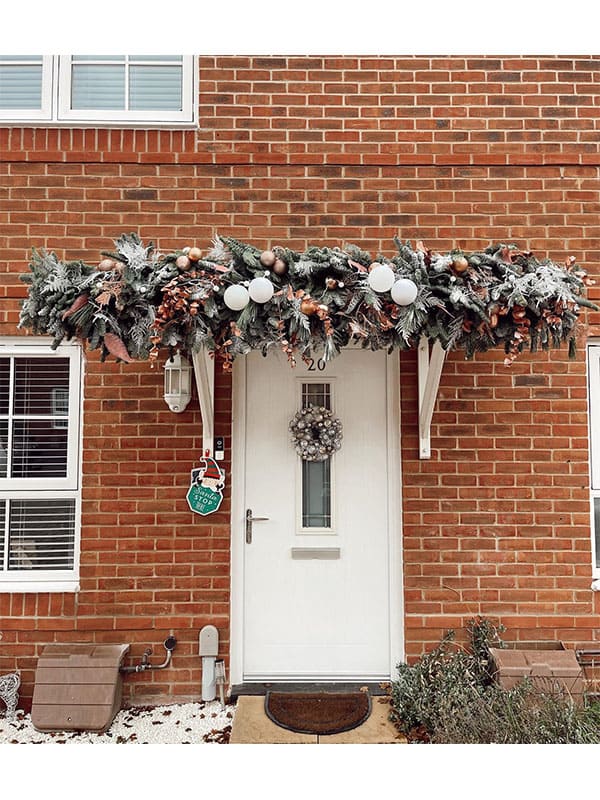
pixel 457 151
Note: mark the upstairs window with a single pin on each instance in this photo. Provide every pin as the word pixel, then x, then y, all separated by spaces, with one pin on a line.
pixel 143 90
pixel 39 467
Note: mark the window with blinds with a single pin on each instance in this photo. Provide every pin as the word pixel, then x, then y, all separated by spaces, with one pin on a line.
pixel 39 466
pixel 594 434
pixel 152 89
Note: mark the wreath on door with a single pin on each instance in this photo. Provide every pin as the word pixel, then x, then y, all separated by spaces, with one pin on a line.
pixel 316 433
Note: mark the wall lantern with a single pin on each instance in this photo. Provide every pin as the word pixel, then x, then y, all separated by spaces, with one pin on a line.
pixel 178 383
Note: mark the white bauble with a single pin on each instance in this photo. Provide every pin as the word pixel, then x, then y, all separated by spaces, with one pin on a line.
pixel 381 278
pixel 236 297
pixel 404 292
pixel 261 290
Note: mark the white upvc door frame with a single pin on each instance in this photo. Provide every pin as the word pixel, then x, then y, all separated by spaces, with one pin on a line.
pixel 238 494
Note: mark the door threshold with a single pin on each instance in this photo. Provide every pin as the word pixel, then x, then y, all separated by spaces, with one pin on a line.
pixel 252 688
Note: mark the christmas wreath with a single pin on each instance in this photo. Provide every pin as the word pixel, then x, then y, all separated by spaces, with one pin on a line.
pixel 316 433
pixel 236 298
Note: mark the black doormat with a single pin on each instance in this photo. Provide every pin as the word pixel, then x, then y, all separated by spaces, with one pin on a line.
pixel 322 713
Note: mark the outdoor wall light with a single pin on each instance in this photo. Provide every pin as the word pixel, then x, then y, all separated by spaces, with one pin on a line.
pixel 178 383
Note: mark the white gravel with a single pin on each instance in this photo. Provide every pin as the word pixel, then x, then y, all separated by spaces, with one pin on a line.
pixel 189 723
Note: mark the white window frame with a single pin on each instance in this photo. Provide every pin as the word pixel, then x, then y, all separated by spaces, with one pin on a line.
pixel 56 108
pixel 49 488
pixel 331 530
pixel 593 364
pixel 33 114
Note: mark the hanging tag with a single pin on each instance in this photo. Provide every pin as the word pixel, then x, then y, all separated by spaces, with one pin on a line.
pixel 206 487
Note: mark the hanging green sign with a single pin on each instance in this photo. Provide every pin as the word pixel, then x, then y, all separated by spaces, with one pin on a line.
pixel 206 490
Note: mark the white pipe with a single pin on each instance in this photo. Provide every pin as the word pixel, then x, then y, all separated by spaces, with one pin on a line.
pixel 209 683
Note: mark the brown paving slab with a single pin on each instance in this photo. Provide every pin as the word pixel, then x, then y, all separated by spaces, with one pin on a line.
pixel 252 726
pixel 377 729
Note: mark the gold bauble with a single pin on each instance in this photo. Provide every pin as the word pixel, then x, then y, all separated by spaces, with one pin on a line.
pixel 194 253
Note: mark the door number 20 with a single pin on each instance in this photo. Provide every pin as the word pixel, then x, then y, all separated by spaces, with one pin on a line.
pixel 313 365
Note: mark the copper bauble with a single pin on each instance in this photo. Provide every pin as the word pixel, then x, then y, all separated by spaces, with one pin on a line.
pixel 460 264
pixel 331 283
pixel 183 262
pixel 280 267
pixel 268 258
pixel 309 306
pixel 194 253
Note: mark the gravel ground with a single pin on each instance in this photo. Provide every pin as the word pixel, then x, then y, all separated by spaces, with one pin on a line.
pixel 189 723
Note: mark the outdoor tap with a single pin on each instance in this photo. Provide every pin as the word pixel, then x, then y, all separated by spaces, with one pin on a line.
pixel 169 644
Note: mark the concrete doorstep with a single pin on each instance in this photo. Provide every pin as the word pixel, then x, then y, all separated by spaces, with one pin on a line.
pixel 252 726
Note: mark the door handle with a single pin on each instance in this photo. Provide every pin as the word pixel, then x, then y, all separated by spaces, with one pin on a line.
pixel 249 520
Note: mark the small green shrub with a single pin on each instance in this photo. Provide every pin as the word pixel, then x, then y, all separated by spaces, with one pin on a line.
pixel 449 697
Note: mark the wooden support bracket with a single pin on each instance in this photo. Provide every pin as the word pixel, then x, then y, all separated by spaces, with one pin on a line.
pixel 204 371
pixel 430 371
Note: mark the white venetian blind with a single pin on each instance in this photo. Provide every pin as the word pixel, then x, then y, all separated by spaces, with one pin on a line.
pixel 2 535
pixel 21 82
pixel 38 423
pixel 127 83
pixel 41 534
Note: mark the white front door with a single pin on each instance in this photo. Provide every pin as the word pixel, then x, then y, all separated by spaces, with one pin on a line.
pixel 320 572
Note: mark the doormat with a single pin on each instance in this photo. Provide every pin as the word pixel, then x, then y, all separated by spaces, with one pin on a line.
pixel 318 713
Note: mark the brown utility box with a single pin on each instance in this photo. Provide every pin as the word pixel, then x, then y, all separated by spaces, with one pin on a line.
pixel 77 687
pixel 549 666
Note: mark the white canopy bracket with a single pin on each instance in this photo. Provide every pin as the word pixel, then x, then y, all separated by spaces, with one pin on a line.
pixel 204 371
pixel 430 371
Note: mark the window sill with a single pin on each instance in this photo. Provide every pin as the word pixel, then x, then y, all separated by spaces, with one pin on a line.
pixel 101 124
pixel 37 587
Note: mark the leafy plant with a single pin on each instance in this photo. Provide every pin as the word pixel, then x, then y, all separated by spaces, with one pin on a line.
pixel 449 697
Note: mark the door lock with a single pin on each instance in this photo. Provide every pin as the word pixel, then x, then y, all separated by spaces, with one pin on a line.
pixel 249 520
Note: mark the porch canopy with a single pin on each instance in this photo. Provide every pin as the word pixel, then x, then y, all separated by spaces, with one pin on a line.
pixel 236 298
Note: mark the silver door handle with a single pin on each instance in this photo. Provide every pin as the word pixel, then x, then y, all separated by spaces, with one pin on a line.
pixel 249 520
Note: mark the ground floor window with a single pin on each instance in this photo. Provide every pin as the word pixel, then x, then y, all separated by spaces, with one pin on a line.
pixel 40 449
pixel 594 427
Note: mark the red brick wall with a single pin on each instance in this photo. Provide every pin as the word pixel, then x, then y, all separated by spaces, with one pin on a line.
pixel 457 151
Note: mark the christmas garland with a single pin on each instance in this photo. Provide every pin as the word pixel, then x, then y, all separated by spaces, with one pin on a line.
pixel 237 298
pixel 316 433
